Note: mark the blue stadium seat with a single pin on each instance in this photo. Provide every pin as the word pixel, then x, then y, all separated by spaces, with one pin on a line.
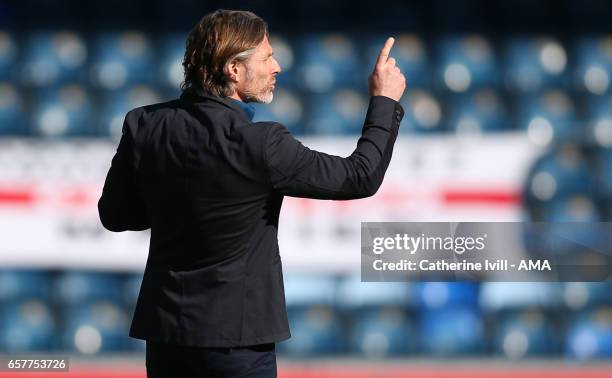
pixel 464 63
pixel 383 331
pixel 21 284
pixel 410 54
pixel 423 112
pixel 474 113
pixel 570 231
pixel 441 295
pixel 169 94
pixel 287 108
pixel 604 173
pixel 326 62
pixel 170 64
pixel 27 325
pixel 131 288
pixel 12 113
pixel 122 59
pixel 534 64
pixel 114 106
pixel 53 58
pixel 338 112
pixel 315 325
pixel 95 327
pixel 8 56
pixel 576 208
pixel 593 64
pixel 598 111
pixel 316 330
pixel 548 117
pixel 581 296
pixel 511 296
pixel 354 294
pixel 524 334
pixel 381 325
pixel 304 290
pixel 559 173
pixel 591 336
pixel 62 112
pixel 81 287
pixel 452 331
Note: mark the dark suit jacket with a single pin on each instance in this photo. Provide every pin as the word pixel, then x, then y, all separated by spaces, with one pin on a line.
pixel 209 184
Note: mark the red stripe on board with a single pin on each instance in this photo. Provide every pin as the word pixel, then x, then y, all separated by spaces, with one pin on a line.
pixel 16 197
pixel 478 196
pixel 450 197
pixel 78 197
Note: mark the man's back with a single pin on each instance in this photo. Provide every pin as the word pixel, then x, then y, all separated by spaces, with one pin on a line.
pixel 210 185
pixel 202 178
pixel 213 275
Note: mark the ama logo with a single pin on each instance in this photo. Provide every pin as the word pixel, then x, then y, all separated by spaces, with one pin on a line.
pixel 534 265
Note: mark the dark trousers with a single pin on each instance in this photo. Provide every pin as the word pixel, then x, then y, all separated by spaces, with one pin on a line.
pixel 258 361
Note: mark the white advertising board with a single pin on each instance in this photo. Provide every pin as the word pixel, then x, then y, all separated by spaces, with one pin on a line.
pixel 49 192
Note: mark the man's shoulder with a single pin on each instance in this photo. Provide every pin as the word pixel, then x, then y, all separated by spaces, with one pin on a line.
pixel 268 126
pixel 265 125
pixel 156 108
pixel 262 129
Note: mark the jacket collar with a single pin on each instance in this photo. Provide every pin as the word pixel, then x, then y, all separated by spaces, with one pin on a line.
pixel 199 95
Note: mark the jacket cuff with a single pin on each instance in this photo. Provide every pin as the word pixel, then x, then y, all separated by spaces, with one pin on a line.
pixel 384 111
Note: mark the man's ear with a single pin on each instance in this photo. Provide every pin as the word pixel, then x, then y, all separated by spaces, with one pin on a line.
pixel 232 70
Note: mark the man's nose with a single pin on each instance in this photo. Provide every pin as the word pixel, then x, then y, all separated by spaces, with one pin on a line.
pixel 277 67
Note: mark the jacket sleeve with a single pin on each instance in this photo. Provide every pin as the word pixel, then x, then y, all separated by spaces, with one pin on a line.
pixel 121 207
pixel 297 171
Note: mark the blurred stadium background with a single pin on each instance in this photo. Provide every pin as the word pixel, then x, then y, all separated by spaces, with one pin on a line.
pixel 508 118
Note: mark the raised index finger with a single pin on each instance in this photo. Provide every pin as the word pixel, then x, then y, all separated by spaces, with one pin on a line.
pixel 384 52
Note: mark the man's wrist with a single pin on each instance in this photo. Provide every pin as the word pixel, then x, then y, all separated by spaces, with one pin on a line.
pixel 381 107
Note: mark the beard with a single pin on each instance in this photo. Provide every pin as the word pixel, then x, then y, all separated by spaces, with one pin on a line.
pixel 258 90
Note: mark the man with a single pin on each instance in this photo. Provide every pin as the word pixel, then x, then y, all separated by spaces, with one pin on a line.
pixel 209 183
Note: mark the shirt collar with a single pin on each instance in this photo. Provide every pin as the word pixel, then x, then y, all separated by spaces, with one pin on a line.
pixel 248 109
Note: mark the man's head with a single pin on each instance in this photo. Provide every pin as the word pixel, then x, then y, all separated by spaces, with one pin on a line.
pixel 228 55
